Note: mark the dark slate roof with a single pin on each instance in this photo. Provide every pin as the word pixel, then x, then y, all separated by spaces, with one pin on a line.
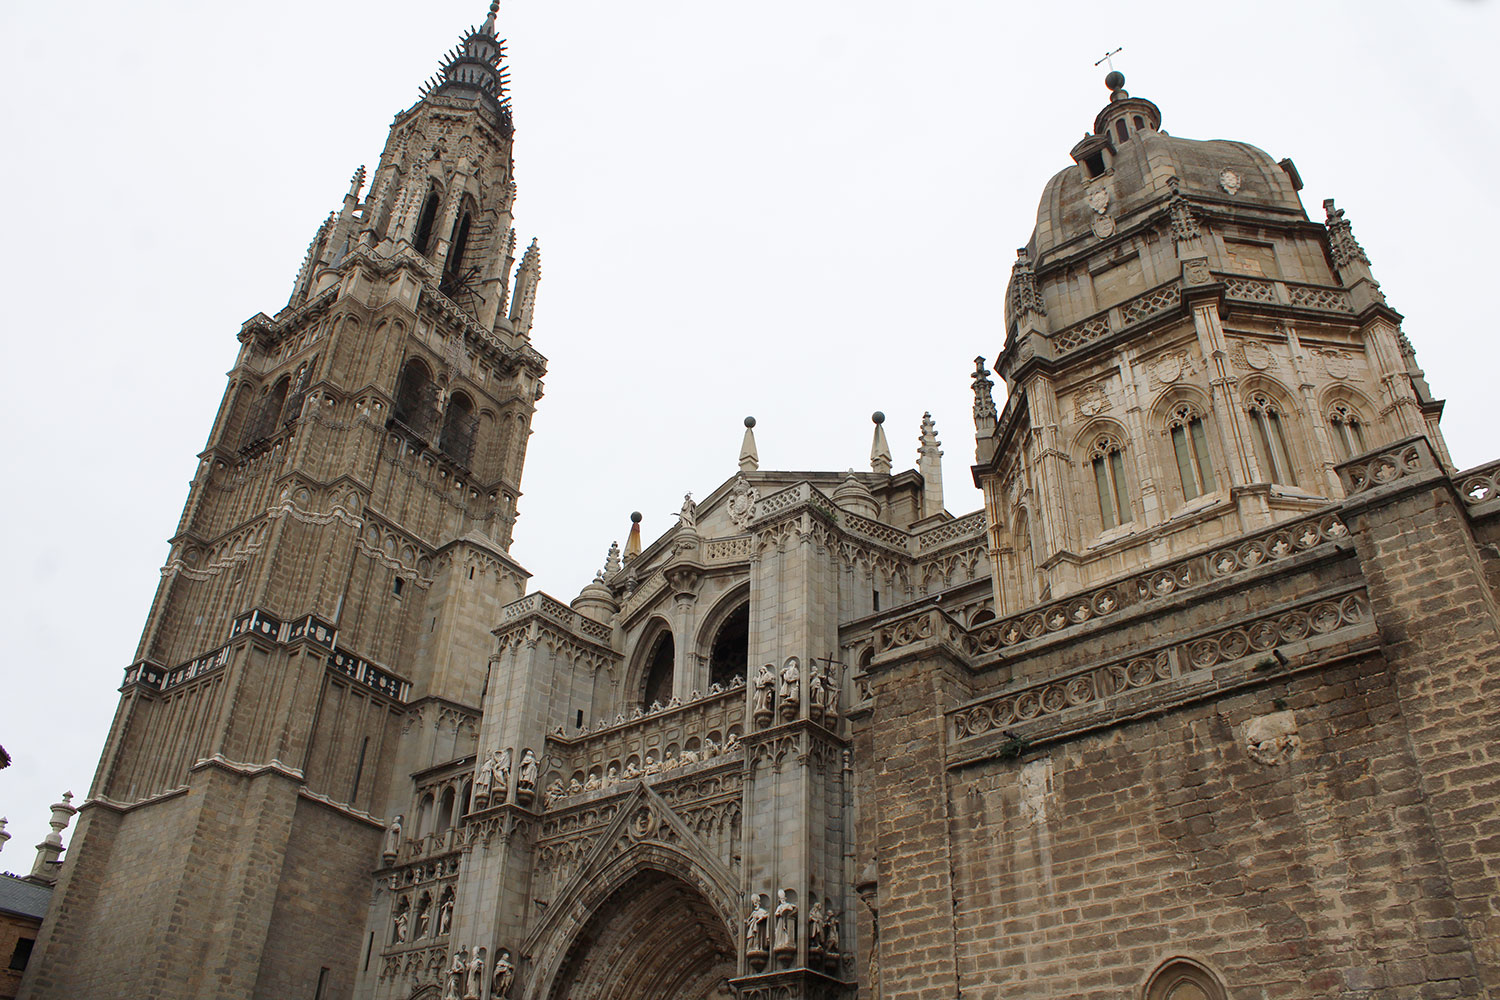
pixel 28 899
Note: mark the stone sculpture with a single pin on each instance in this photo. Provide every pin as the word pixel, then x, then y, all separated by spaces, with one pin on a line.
pixel 456 972
pixel 791 689
pixel 399 932
pixel 765 696
pixel 526 777
pixel 815 925
pixel 785 942
pixel 505 976
pixel 755 931
pixel 502 778
pixel 483 779
pixel 475 976
pixel 816 695
pixel 445 916
pixel 392 840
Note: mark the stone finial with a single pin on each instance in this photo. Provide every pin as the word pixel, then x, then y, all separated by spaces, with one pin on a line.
pixel 1184 225
pixel 523 300
pixel 930 465
pixel 612 560
pixel 633 543
pixel 51 847
pixel 357 182
pixel 749 456
pixel 984 399
pixel 1342 245
pixel 3 835
pixel 880 449
pixel 1024 294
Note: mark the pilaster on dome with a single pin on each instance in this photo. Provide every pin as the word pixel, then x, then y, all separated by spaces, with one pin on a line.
pixel 476 66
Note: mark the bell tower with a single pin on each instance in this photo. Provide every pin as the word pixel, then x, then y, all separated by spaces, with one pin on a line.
pixel 322 622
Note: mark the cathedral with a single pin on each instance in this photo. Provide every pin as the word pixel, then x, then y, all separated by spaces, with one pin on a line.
pixel 1197 706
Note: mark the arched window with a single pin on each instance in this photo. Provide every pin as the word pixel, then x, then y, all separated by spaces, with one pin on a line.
pixel 416 399
pixel 459 425
pixel 730 656
pixel 424 816
pixel 658 685
pixel 453 273
pixel 1267 421
pixel 445 810
pixel 1140 123
pixel 268 415
pixel 1348 429
pixel 425 220
pixel 1121 131
pixel 1184 979
pixel 1190 445
pixel 1108 460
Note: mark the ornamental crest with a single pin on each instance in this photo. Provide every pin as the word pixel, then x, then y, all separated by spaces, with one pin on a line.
pixel 741 503
pixel 1099 201
pixel 1229 181
pixel 1338 364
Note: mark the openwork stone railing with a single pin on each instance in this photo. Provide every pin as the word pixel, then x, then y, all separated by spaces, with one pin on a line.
pixel 1402 459
pixel 1247 289
pixel 1107 600
pixel 551 608
pixel 1159 666
pixel 1481 484
pixel 968 528
pixel 1126 314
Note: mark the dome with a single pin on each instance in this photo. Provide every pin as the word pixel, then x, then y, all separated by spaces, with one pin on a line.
pixel 855 497
pixel 1136 179
pixel 595 601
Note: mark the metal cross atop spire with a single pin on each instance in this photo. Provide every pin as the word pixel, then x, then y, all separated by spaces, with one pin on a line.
pixel 1109 57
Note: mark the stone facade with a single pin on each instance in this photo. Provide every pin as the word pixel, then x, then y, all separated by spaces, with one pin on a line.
pixel 1195 707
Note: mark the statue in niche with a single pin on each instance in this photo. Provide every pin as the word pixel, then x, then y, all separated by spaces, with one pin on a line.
pixel 815 925
pixel 756 931
pixel 456 973
pixel 791 689
pixel 502 777
pixel 593 784
pixel 526 777
pixel 786 926
pixel 392 840
pixel 575 786
pixel 505 976
pixel 483 779
pixel 710 748
pixel 475 976
pixel 400 930
pixel 632 771
pixel 733 743
pixel 652 767
pixel 831 938
pixel 765 695
pixel 423 914
pixel 815 692
pixel 555 791
pixel 612 776
pixel 445 916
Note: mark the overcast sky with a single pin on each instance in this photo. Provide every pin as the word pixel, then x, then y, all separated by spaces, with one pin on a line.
pixel 803 211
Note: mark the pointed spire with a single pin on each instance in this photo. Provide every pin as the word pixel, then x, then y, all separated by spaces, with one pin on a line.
pixel 612 561
pixel 633 543
pixel 1024 295
pixel 1341 242
pixel 489 22
pixel 528 275
pixel 749 456
pixel 984 400
pixel 476 66
pixel 356 183
pixel 880 449
pixel 930 465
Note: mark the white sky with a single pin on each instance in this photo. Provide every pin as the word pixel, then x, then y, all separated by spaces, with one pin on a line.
pixel 804 211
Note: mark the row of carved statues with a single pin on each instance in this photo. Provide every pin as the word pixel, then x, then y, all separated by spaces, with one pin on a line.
pixel 465 976
pixel 407 925
pixel 774 932
pixel 640 712
pixel 710 749
pixel 781 694
pixel 492 778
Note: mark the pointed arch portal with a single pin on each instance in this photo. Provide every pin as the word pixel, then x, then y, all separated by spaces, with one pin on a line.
pixel 655 936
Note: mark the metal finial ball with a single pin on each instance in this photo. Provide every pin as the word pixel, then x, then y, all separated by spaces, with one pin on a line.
pixel 635 517
pixel 1114 80
pixel 749 421
pixel 878 417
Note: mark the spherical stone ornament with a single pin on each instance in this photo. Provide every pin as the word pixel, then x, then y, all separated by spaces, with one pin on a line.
pixel 1114 80
pixel 878 417
pixel 635 517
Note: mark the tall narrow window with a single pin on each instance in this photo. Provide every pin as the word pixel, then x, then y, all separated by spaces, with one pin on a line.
pixel 459 425
pixel 424 222
pixel 1348 429
pixel 1108 459
pixel 416 399
pixel 1190 445
pixel 1268 423
pixel 453 269
pixel 658 686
